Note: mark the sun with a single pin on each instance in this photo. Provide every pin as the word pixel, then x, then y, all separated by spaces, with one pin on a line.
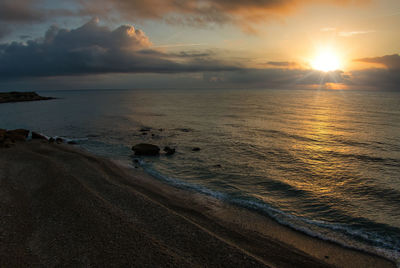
pixel 326 60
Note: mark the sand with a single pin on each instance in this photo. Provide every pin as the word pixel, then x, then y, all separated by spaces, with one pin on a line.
pixel 61 206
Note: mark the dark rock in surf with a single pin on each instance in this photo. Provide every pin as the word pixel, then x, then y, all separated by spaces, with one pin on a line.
pixel 146 149
pixel 168 150
pixel 196 149
pixel 145 129
pixel 37 136
pixel 60 140
pixel 184 129
pixel 72 142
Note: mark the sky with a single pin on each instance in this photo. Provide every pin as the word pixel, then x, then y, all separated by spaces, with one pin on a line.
pixel 127 44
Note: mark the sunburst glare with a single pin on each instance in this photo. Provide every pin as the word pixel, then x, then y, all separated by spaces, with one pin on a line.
pixel 326 60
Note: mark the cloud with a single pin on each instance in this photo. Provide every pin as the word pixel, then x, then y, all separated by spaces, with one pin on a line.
pixel 4 31
pixel 353 33
pixel 19 11
pixel 95 49
pixel 328 29
pixel 376 78
pixel 387 77
pixel 284 64
pixel 205 12
pixel 389 61
pixel 15 15
pixel 31 11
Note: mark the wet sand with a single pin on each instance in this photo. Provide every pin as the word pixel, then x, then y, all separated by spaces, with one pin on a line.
pixel 61 206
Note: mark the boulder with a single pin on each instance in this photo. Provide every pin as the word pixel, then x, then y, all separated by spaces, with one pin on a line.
pixel 196 149
pixel 168 150
pixel 146 149
pixel 17 135
pixel 8 138
pixel 60 140
pixel 72 142
pixel 21 132
pixel 37 136
pixel 2 134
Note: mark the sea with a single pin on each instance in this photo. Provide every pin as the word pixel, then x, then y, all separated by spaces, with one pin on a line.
pixel 324 162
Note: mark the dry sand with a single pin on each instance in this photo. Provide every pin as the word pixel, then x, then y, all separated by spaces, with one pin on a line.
pixel 61 206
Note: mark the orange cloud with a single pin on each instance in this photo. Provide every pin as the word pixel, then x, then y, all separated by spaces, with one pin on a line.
pixel 194 12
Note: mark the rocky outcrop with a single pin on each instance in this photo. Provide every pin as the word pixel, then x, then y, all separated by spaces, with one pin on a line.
pixel 10 137
pixel 146 149
pixel 21 96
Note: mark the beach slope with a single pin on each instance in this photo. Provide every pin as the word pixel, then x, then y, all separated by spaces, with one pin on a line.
pixel 61 206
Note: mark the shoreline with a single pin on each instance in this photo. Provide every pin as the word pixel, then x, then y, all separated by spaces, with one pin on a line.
pixel 233 230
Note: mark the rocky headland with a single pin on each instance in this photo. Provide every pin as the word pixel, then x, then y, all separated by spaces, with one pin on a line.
pixel 21 96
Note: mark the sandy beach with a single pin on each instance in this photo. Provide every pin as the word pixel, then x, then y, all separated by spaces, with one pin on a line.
pixel 61 206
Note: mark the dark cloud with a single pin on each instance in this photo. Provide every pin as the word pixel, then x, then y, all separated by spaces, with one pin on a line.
pixel 382 78
pixel 3 31
pixel 24 37
pixel 14 15
pixel 19 11
pixel 284 64
pixel 94 49
pixel 391 62
pixel 376 78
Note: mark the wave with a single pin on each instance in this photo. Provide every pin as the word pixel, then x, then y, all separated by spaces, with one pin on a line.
pixel 343 234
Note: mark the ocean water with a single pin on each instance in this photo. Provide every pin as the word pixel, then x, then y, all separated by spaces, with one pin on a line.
pixel 323 162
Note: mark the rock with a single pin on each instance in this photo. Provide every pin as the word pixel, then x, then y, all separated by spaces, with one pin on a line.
pixel 21 96
pixel 72 142
pixel 51 140
pixel 160 129
pixel 146 149
pixel 21 132
pixel 60 140
pixel 10 137
pixel 168 150
pixel 145 129
pixel 184 129
pixel 37 136
pixel 2 134
pixel 17 135
pixel 196 149
pixel 217 166
pixel 144 133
